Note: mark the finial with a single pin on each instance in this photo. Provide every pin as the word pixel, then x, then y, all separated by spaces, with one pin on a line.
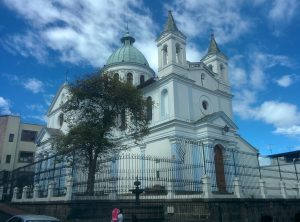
pixel 66 76
pixel 212 33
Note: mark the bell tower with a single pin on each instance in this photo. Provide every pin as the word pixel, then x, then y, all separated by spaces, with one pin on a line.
pixel 171 45
pixel 216 61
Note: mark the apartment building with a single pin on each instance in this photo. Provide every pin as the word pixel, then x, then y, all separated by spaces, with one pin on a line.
pixel 17 142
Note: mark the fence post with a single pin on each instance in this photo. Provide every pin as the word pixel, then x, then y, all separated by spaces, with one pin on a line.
pixel 50 189
pixel 25 192
pixel 237 188
pixel 15 194
pixel 69 184
pixel 206 186
pixel 282 189
pixel 1 192
pixel 262 186
pixel 170 191
pixel 36 189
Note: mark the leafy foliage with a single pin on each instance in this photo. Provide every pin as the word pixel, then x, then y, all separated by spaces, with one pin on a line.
pixel 100 111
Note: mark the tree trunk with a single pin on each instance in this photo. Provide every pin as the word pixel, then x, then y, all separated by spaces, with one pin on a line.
pixel 91 176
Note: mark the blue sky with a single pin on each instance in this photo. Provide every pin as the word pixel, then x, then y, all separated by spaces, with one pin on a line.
pixel 42 42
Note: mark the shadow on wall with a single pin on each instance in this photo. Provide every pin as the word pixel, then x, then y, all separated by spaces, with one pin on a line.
pixel 297 217
pixel 266 218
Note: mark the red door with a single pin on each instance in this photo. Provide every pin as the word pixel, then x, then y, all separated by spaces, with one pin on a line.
pixel 219 168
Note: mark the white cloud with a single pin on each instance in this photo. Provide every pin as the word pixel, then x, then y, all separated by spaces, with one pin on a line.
pixel 34 85
pixel 289 131
pixel 286 80
pixel 36 107
pixel 279 114
pixel 283 10
pixel 79 31
pixel 4 106
pixel 223 16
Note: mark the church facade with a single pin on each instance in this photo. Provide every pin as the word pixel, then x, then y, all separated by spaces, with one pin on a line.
pixel 191 119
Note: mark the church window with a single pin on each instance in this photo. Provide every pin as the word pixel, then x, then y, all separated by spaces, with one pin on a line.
pixel 61 119
pixel 165 55
pixel 178 53
pixel 129 78
pixel 205 104
pixel 149 108
pixel 142 79
pixel 164 103
pixel 210 67
pixel 116 76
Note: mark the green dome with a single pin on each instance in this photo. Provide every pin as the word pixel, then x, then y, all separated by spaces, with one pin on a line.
pixel 127 53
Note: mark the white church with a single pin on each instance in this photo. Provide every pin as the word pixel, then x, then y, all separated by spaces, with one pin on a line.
pixel 192 118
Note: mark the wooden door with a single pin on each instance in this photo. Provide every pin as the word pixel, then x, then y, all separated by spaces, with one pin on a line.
pixel 219 169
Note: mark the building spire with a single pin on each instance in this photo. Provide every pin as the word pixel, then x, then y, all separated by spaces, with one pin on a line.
pixel 127 39
pixel 170 24
pixel 213 46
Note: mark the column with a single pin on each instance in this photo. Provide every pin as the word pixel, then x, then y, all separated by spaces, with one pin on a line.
pixel 1 192
pixel 69 185
pixel 283 189
pixel 176 153
pixel 262 186
pixel 36 189
pixel 25 192
pixel 50 189
pixel 237 188
pixel 15 194
pixel 206 186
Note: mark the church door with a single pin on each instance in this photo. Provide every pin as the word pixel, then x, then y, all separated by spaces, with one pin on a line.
pixel 219 168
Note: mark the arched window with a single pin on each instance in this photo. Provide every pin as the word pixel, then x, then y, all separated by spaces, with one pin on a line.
pixel 116 76
pixel 210 67
pixel 178 53
pixel 165 55
pixel 129 78
pixel 219 169
pixel 149 108
pixel 164 103
pixel 61 119
pixel 142 79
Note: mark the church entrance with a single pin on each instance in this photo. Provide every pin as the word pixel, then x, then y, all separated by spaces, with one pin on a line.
pixel 219 169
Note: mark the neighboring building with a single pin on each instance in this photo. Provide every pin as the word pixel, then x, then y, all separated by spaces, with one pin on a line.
pixel 17 142
pixel 285 158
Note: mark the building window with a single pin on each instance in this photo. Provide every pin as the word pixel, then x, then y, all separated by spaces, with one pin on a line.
pixel 205 104
pixel 178 54
pixel 8 157
pixel 142 79
pixel 26 157
pixel 129 78
pixel 28 135
pixel 149 108
pixel 210 67
pixel 165 55
pixel 164 103
pixel 116 76
pixel 11 137
pixel 61 119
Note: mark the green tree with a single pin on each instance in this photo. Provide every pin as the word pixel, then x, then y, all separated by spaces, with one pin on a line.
pixel 100 111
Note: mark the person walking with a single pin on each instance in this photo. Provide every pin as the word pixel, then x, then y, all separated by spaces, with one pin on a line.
pixel 115 215
pixel 120 216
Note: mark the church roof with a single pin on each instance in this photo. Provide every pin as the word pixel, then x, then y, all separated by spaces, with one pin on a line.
pixel 213 48
pixel 127 53
pixel 171 27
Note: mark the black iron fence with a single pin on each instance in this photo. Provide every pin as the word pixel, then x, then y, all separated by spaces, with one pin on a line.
pixel 160 178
